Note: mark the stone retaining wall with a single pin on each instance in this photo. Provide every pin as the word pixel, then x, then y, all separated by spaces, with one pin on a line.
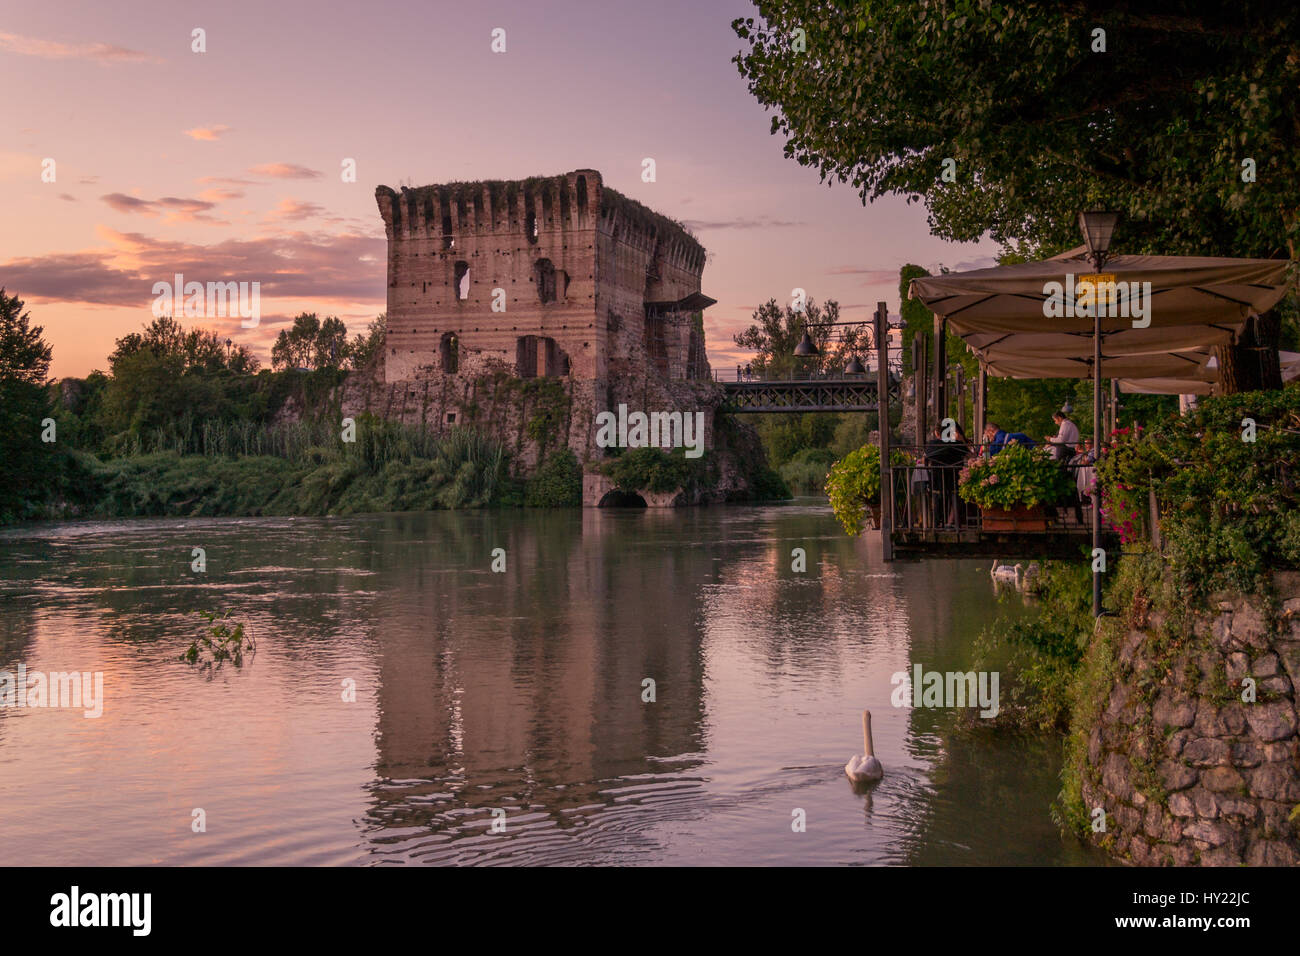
pixel 1187 771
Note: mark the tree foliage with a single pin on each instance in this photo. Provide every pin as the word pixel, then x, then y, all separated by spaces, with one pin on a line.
pixel 1182 117
pixel 777 331
pixel 1041 122
pixel 26 462
pixel 312 343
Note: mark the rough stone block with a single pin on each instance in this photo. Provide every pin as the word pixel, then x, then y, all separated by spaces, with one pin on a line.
pixel 1206 752
pixel 1272 720
pixel 1172 710
pixel 1274 781
pixel 1222 780
pixel 1176 775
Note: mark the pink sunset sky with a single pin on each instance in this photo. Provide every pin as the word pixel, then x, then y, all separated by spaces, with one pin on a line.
pixel 225 165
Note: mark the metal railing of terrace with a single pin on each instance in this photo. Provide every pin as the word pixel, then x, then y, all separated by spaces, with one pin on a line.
pixel 927 517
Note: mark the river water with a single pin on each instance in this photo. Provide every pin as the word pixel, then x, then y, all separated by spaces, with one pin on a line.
pixel 503 699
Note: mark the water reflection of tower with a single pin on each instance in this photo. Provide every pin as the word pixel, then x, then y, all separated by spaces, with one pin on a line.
pixel 507 686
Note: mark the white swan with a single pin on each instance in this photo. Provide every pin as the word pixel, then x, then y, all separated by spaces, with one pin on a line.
pixel 866 768
pixel 1005 573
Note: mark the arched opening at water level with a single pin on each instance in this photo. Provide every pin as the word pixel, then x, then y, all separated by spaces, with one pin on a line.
pixel 622 499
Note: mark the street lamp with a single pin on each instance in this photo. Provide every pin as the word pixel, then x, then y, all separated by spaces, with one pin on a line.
pixel 854 367
pixel 806 346
pixel 1097 228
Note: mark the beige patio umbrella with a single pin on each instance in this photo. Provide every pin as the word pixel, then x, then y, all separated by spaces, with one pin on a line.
pixel 1201 382
pixel 1195 303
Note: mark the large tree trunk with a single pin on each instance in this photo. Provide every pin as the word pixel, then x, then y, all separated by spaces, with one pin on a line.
pixel 1252 363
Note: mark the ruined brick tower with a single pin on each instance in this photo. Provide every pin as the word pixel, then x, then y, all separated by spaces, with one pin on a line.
pixel 550 276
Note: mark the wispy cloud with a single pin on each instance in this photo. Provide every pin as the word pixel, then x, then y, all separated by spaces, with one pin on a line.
pixel 285 171
pixel 217 195
pixel 295 210
pixel 869 276
pixel 701 225
pixel 176 208
pixel 207 133
pixel 53 50
pixel 226 181
pixel 299 265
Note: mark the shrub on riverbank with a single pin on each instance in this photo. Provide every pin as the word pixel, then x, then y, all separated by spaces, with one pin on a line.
pixel 557 484
pixel 805 473
pixel 652 469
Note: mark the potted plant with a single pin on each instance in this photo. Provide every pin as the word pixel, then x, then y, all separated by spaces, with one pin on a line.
pixel 1011 487
pixel 853 487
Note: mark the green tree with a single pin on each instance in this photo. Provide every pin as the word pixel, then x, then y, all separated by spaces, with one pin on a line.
pixel 311 343
pixel 1034 122
pixel 369 348
pixel 295 347
pixel 169 379
pixel 776 332
pixel 27 463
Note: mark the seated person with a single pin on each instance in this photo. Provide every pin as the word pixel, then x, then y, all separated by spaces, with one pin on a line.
pixel 996 439
pixel 1066 437
pixel 943 460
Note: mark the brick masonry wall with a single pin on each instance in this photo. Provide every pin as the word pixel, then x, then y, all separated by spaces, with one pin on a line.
pixel 611 256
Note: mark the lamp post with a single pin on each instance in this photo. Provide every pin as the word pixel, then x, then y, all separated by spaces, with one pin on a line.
pixel 1097 228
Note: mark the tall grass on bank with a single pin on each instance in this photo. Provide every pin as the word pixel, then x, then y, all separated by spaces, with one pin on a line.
pixel 303 468
pixel 377 440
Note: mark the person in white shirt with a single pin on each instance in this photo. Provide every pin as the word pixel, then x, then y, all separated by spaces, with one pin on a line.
pixel 1066 437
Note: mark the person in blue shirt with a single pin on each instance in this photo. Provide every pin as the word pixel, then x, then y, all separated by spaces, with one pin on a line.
pixel 995 439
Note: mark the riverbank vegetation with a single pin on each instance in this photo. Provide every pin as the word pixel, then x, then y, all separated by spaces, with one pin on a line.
pixel 185 424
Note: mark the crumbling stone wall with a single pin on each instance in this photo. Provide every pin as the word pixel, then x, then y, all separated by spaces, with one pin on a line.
pixel 504 407
pixel 1189 773
pixel 601 293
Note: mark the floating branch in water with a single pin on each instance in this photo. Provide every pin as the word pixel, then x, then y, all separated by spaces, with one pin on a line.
pixel 221 643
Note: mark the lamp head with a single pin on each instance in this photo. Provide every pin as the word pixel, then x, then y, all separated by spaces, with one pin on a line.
pixel 1098 227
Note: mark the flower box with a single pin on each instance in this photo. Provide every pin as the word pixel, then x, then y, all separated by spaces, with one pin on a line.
pixel 1018 518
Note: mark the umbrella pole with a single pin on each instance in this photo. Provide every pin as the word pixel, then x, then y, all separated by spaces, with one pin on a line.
pixel 1096 452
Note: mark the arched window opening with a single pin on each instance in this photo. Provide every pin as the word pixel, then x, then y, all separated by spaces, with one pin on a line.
pixel 530 227
pixel 449 348
pixel 544 272
pixel 462 279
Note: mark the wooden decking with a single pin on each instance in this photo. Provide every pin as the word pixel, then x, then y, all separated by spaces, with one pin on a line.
pixel 1058 543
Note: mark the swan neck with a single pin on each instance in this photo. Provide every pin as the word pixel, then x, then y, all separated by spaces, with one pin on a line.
pixel 866 733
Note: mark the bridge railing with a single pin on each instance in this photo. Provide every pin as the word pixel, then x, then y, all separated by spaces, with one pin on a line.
pixel 926 497
pixel 740 376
